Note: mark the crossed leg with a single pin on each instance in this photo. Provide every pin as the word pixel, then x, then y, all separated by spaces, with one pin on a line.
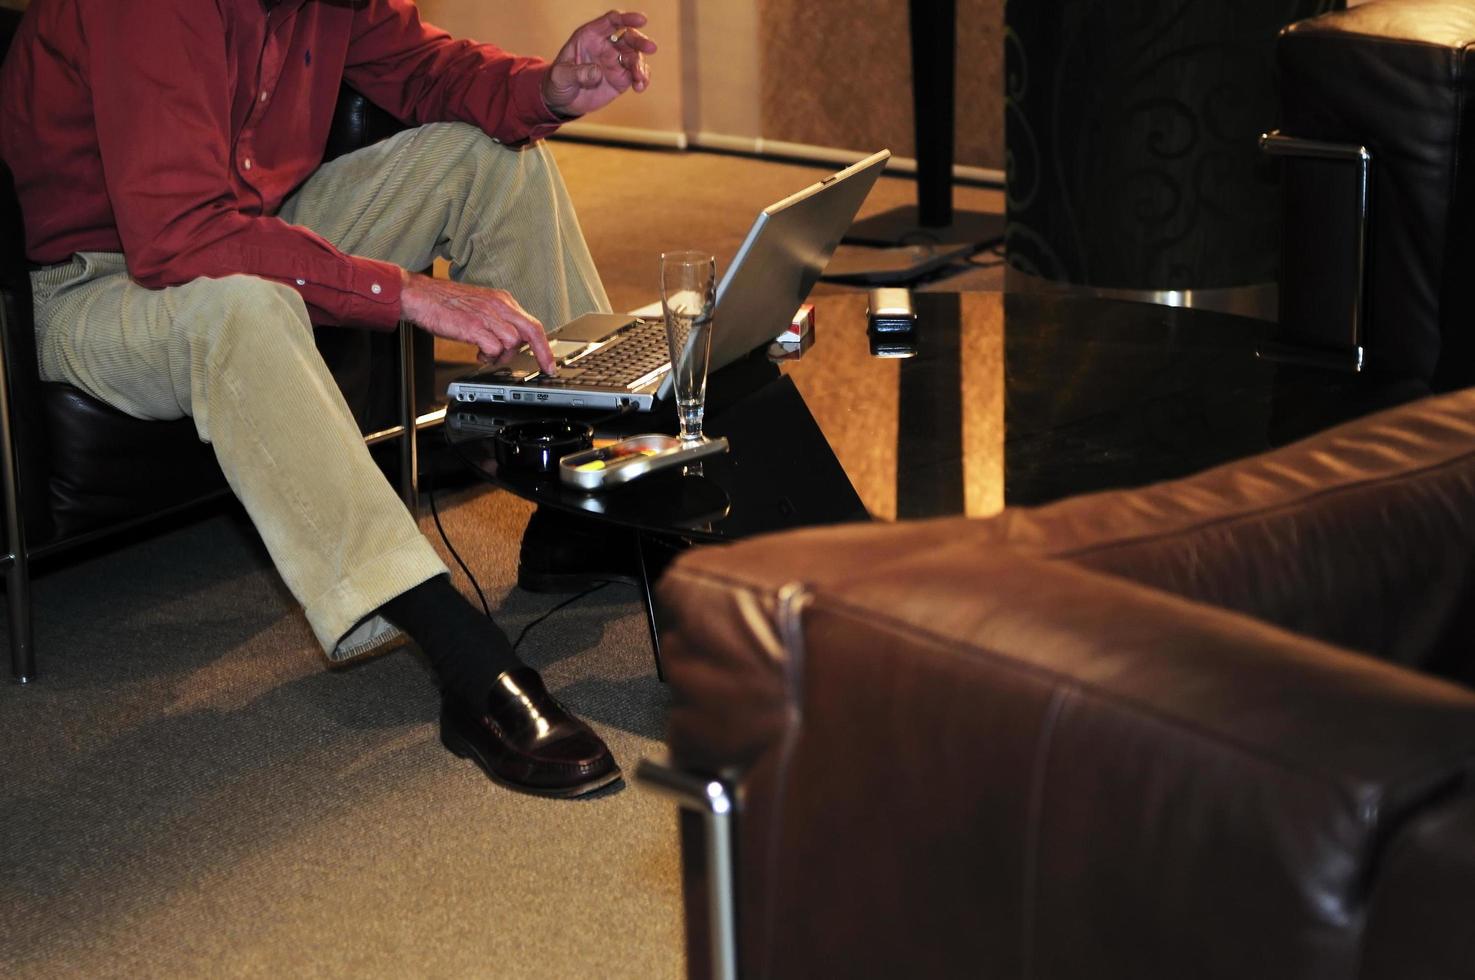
pixel 237 355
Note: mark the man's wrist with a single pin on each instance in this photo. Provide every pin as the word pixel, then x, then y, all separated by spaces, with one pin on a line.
pixel 556 112
pixel 406 296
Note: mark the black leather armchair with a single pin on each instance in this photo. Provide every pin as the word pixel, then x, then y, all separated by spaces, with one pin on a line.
pixel 74 469
pixel 1378 128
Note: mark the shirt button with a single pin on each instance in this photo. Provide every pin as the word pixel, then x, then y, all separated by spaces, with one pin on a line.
pixel 495 140
pixel 246 164
pixel 376 289
pixel 263 96
pixel 302 282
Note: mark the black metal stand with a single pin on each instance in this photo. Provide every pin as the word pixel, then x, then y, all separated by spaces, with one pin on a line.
pixel 913 241
pixel 654 552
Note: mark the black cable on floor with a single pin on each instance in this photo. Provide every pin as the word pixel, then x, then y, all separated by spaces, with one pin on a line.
pixel 567 602
pixel 435 513
pixel 485 607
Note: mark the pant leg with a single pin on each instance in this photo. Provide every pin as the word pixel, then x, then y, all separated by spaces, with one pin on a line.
pixel 237 355
pixel 501 216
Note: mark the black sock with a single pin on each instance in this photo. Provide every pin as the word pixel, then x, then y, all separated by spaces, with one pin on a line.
pixel 468 651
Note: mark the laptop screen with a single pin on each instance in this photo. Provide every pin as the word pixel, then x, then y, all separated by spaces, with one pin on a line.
pixel 782 258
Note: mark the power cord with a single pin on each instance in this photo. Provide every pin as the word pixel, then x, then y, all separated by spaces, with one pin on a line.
pixel 435 514
pixel 567 602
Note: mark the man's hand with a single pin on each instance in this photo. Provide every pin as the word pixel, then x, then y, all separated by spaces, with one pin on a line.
pixel 488 318
pixel 602 59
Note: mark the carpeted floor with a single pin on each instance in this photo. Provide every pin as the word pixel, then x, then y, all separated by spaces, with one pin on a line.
pixel 189 789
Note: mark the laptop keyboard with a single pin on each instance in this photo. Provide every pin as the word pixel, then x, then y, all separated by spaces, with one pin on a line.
pixel 631 357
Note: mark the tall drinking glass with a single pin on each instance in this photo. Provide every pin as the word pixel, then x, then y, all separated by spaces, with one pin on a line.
pixel 688 293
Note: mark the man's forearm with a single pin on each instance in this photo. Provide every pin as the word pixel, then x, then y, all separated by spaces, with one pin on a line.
pixel 418 72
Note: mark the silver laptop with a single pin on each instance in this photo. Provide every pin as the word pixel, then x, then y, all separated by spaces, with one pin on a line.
pixel 620 360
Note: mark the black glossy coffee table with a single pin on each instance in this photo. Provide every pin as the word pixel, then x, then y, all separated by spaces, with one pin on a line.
pixel 1006 398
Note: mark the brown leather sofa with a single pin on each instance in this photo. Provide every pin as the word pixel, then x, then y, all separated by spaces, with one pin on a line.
pixel 75 470
pixel 1220 727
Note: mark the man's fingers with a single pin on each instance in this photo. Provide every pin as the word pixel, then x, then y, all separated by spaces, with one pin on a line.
pixel 527 328
pixel 489 318
pixel 501 358
pixel 636 41
pixel 496 338
pixel 629 47
pixel 615 20
pixel 537 341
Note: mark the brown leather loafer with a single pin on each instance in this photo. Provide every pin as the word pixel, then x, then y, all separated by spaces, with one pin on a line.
pixel 527 741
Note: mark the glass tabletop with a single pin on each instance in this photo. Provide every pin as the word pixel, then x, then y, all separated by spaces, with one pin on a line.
pixel 997 399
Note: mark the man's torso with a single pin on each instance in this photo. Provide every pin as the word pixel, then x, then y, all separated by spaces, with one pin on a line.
pixel 284 67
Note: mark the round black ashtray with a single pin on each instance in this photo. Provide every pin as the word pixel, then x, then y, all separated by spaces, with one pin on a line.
pixel 537 446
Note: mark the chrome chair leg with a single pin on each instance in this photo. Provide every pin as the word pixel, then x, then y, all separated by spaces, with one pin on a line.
pixel 713 800
pixel 18 572
pixel 18 601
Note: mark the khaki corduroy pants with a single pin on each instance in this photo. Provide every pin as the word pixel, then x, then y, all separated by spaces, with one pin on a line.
pixel 237 354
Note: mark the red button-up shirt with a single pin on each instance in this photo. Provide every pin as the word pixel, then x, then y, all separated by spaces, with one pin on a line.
pixel 172 130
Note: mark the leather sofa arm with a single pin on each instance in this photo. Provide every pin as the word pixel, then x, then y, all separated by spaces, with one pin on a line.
pixel 958 760
pixel 1362 535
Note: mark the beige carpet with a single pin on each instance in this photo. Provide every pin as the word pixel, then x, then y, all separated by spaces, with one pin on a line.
pixel 188 790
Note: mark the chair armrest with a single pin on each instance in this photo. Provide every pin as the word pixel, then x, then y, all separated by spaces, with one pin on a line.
pixel 956 759
pixel 357 123
pixel 1397 77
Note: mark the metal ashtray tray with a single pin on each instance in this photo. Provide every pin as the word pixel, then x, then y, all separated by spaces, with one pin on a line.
pixel 538 445
pixel 623 461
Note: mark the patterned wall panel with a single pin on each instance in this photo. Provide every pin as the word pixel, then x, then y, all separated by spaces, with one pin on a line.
pixel 838 73
pixel 1132 130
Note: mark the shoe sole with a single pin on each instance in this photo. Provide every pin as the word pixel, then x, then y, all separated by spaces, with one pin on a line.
pixel 461 748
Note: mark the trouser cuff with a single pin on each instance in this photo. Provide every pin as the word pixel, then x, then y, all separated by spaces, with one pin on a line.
pixel 344 619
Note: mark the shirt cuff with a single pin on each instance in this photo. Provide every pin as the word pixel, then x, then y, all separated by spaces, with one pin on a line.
pixel 528 104
pixel 376 294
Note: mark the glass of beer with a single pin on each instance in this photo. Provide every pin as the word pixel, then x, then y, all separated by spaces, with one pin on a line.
pixel 688 294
